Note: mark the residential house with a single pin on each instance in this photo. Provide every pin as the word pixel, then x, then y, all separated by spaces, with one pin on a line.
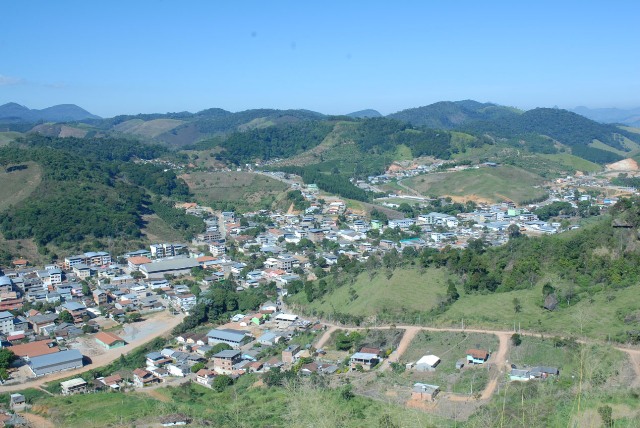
pixel 223 361
pixel 142 377
pixel 424 392
pixel 205 377
pixel 477 356
pixel 109 340
pixel 74 386
pixel 288 354
pixel 363 359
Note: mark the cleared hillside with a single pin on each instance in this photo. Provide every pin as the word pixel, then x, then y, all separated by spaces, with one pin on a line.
pixel 488 184
pixel 148 129
pixel 242 189
pixel 17 185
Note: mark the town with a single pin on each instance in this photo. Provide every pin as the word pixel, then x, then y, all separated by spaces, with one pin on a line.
pixel 60 318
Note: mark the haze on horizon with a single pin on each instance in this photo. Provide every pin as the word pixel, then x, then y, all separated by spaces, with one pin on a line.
pixel 333 57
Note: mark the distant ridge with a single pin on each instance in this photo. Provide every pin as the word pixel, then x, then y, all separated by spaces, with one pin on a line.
pixel 452 114
pixel 365 113
pixel 14 112
pixel 629 117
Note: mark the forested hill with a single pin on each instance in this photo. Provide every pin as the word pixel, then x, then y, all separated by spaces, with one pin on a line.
pixel 453 114
pixel 90 190
pixel 563 126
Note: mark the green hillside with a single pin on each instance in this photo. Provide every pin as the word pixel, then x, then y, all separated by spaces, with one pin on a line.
pixel 491 184
pixel 241 190
pixel 17 182
pixel 406 290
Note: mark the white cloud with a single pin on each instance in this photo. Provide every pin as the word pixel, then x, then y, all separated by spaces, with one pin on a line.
pixel 8 80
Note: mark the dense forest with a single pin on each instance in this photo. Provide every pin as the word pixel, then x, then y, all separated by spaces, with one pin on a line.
pixel 90 189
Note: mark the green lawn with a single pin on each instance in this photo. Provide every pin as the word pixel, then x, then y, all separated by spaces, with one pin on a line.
pixel 491 184
pixel 408 290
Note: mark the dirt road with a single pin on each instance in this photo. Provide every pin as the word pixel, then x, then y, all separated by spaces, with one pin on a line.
pixel 166 323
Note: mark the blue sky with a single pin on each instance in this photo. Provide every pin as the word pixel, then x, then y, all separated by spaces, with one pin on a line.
pixel 114 57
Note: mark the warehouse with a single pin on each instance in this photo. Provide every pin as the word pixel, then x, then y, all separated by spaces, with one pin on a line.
pixel 52 363
pixel 168 267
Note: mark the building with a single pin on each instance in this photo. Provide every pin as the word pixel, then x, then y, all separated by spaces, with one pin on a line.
pixel 137 261
pixel 168 267
pixel 26 351
pixel 223 361
pixel 142 377
pixel 109 340
pixel 233 338
pixel 52 363
pixel 427 363
pixel 6 322
pixel 73 386
pixel 160 251
pixel 363 359
pixel 288 355
pixel 424 392
pixel 477 356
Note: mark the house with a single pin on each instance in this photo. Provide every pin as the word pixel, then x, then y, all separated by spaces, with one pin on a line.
pixel 233 338
pixel 424 392
pixel 268 338
pixel 477 356
pixel 519 375
pixel 544 372
pixel 205 377
pixel 137 261
pixel 42 321
pixel 17 402
pixel 82 271
pixel 427 363
pixel 52 363
pixel 112 382
pixel 288 354
pixel 156 359
pixel 6 322
pixel 223 361
pixel 142 377
pixel 363 359
pixel 74 386
pixel 100 297
pixel 109 340
pixel 178 369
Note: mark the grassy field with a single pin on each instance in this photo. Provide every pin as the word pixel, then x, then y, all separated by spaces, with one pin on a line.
pixel 16 186
pixel 7 137
pixel 408 290
pixel 244 189
pixel 600 316
pixel 573 162
pixel 491 184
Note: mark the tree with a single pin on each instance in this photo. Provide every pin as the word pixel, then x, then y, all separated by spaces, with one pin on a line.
pixel 517 307
pixel 65 316
pixel 220 383
pixel 218 347
pixel 452 292
pixel 133 317
pixel 514 231
pixel 86 290
pixel 547 289
pixel 516 339
pixel 197 367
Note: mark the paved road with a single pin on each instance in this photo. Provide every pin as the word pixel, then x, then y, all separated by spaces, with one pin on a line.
pixel 103 359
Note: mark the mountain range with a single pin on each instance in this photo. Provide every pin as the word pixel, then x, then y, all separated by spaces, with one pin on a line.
pixel 13 112
pixel 629 117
